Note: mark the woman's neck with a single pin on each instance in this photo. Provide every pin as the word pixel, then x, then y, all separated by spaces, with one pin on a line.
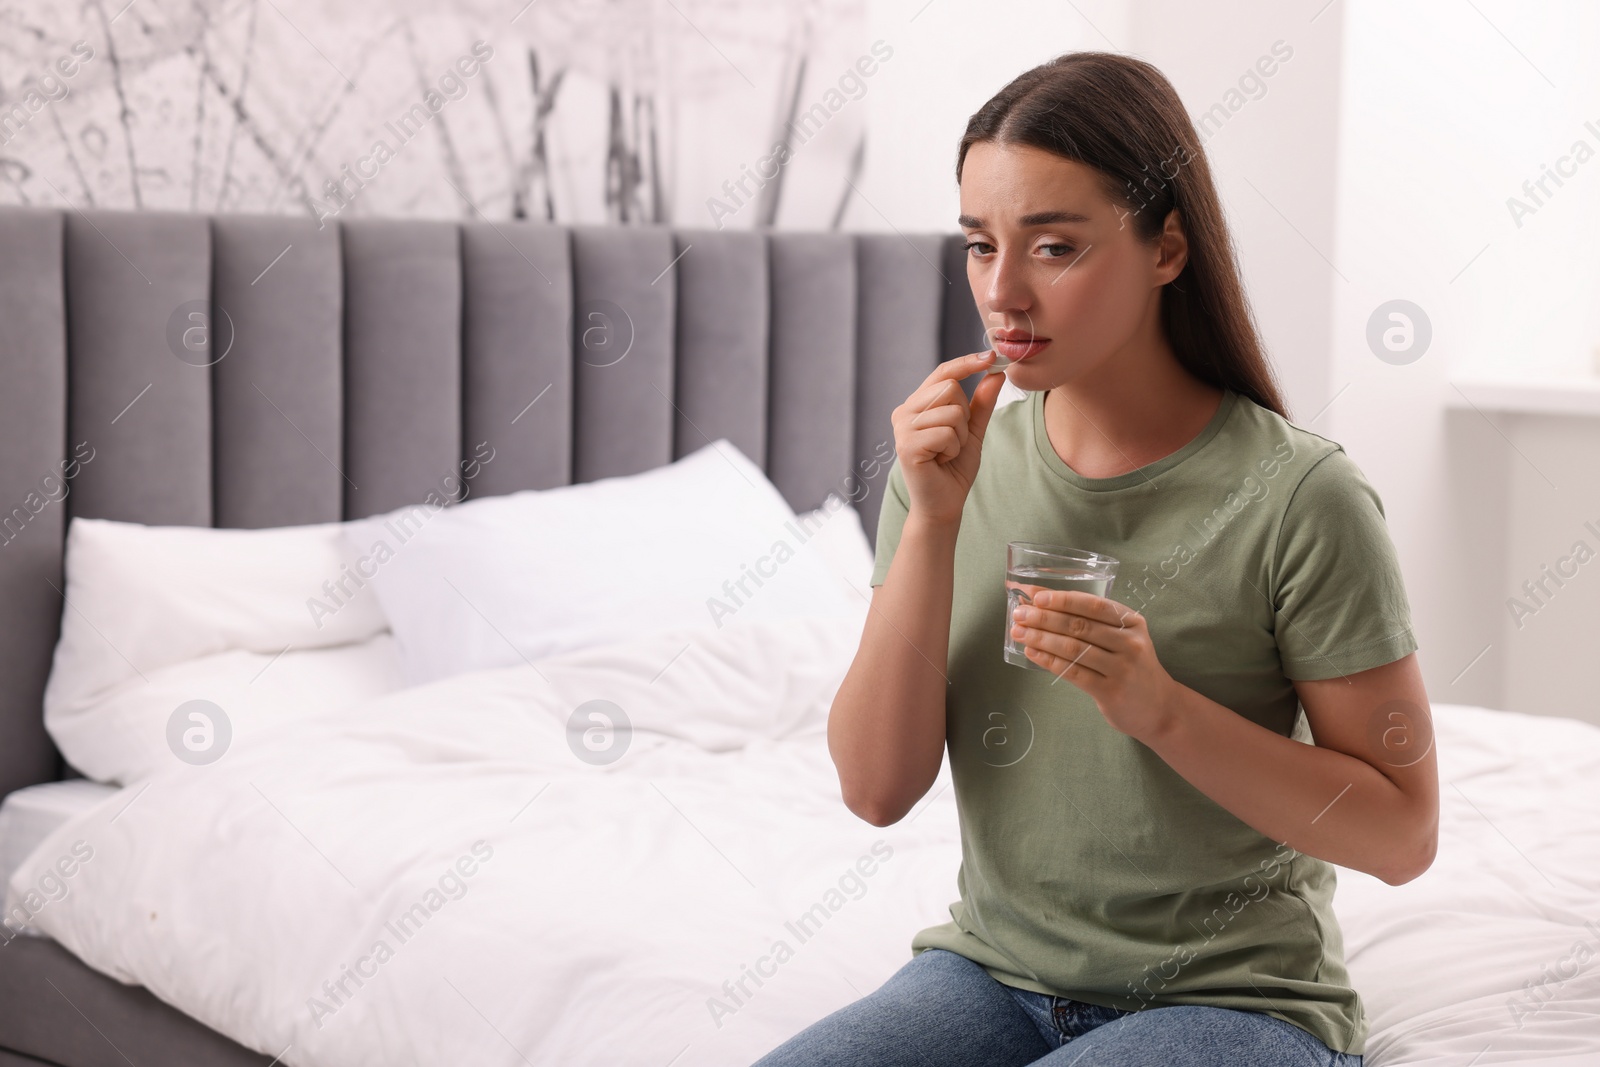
pixel 1132 410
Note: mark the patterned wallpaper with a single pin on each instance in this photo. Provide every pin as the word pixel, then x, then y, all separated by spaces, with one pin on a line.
pixel 687 112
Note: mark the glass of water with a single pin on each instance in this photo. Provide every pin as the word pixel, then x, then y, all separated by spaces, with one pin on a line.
pixel 1031 568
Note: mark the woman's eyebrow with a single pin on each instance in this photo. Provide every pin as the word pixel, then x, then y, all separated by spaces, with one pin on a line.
pixel 1038 218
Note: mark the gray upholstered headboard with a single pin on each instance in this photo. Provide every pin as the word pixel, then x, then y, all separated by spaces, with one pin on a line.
pixel 350 369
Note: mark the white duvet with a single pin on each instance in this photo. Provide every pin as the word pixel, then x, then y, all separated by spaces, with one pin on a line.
pixel 435 876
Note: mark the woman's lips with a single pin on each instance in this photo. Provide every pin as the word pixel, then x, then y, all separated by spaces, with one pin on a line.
pixel 1020 350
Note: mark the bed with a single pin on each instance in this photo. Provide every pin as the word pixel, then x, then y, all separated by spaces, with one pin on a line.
pixel 691 903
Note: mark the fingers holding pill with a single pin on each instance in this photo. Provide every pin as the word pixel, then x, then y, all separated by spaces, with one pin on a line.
pixel 939 432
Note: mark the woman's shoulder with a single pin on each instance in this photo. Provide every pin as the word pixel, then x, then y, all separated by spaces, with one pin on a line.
pixel 1316 470
pixel 1281 444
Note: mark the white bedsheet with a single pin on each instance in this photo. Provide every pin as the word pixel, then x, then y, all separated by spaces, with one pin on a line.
pixel 567 913
pixel 1493 955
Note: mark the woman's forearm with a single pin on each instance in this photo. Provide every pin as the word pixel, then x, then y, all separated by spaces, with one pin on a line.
pixel 886 730
pixel 1316 800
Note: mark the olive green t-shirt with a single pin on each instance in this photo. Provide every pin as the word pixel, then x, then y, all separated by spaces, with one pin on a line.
pixel 1091 869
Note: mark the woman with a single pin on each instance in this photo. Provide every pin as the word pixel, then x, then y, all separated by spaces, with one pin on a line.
pixel 1148 828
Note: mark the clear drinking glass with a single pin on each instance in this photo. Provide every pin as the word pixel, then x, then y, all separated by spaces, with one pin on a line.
pixel 1032 567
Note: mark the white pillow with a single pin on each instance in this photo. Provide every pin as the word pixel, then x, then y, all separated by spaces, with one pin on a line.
pixel 160 615
pixel 840 539
pixel 498 580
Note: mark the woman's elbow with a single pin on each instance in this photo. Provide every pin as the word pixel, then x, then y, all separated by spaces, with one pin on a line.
pixel 1418 859
pixel 872 809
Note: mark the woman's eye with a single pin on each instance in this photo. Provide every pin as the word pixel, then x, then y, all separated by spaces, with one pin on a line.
pixel 1062 251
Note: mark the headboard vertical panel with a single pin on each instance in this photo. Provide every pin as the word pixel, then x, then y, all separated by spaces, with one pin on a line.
pixel 624 303
pixel 39 463
pixel 811 401
pixel 517 348
pixel 723 314
pixel 139 380
pixel 402 345
pixel 277 375
pixel 961 325
pixel 898 328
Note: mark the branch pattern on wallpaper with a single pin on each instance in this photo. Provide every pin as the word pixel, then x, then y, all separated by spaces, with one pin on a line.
pixel 450 86
pixel 624 112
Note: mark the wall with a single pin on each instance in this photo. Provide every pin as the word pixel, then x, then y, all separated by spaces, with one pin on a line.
pixel 951 56
pixel 1446 112
pixel 1550 662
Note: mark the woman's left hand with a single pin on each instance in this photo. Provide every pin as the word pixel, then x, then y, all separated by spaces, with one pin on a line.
pixel 1104 649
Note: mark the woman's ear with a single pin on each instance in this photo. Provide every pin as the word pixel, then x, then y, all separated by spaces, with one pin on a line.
pixel 1173 249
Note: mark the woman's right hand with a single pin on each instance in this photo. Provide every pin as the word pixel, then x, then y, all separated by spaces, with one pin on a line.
pixel 938 435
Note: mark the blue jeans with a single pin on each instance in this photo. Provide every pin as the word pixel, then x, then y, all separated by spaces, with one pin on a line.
pixel 943 1010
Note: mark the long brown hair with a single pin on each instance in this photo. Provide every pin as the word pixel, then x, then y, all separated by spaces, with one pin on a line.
pixel 1122 117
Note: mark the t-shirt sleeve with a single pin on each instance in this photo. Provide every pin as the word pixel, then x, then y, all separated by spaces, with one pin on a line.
pixel 1338 597
pixel 891 520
